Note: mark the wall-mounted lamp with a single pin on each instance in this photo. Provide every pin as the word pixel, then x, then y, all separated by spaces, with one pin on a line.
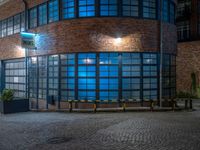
pixel 118 40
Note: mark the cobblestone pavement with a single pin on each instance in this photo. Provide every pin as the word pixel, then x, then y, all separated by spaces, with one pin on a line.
pixel 101 131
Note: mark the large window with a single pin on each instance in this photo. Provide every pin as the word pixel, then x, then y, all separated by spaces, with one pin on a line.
pixel 68 9
pixel 67 77
pixel 183 29
pixel 42 14
pixel 4 28
pixel 17 23
pixel 53 10
pixel 172 13
pixel 33 17
pixel 165 10
pixel 109 76
pixel 33 73
pixel 10 26
pixel 22 21
pixel 92 76
pixel 53 74
pixel 149 9
pixel 86 8
pixel 130 8
pixel 42 75
pixel 150 79
pixel 87 76
pixel 131 75
pixel 15 76
pixel 183 8
pixel 108 8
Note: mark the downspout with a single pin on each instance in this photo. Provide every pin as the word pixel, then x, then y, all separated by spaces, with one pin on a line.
pixel 26 50
pixel 161 53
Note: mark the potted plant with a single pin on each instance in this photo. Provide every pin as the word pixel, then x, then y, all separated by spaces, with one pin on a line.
pixel 8 104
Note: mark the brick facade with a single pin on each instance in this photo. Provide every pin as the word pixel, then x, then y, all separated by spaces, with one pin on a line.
pixel 89 34
pixel 187 63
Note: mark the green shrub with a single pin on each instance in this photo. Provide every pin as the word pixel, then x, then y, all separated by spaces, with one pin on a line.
pixel 7 95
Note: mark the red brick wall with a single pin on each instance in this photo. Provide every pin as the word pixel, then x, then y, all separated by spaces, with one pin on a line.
pixel 90 34
pixel 188 61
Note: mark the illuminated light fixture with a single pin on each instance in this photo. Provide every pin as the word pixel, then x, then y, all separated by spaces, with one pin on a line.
pixel 118 40
pixel 87 61
pixel 34 60
pixel 28 34
pixel 28 40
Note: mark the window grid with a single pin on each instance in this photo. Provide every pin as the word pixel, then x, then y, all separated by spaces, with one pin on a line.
pixel 67 77
pixel 68 9
pixel 109 76
pixel 53 69
pixel 149 9
pixel 165 10
pixel 33 18
pixel 10 26
pixel 42 14
pixel 15 77
pixel 87 76
pixel 53 11
pixel 108 8
pixel 172 13
pixel 86 8
pixel 150 76
pixel 183 30
pixel 17 23
pixel 101 77
pixel 130 8
pixel 42 75
pixel 33 77
pixel 131 74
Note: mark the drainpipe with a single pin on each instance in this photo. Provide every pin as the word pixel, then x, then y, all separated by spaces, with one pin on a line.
pixel 26 50
pixel 161 53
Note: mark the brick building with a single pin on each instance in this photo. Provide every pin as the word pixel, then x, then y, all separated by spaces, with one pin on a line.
pixel 88 50
pixel 188 56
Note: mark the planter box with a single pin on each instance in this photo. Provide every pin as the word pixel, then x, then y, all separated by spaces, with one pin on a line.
pixel 14 106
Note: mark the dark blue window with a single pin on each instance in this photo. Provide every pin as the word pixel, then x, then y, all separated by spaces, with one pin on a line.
pixel 150 79
pixel 17 23
pixel 22 21
pixel 165 11
pixel 53 75
pixel 131 88
pixel 10 26
pixel 150 59
pixel 130 7
pixel 149 9
pixel 172 13
pixel 131 73
pixel 131 58
pixel 86 8
pixel 33 17
pixel 87 76
pixel 67 76
pixel 68 9
pixel 4 28
pixel 108 8
pixel 109 76
pixel 42 14
pixel 53 10
pixel 42 75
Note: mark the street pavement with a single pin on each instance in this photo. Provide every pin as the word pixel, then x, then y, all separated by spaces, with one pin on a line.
pixel 101 131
